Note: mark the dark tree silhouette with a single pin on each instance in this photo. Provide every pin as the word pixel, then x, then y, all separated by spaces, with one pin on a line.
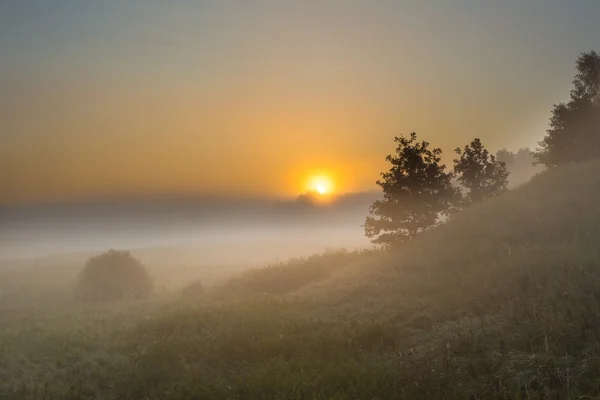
pixel 417 190
pixel 479 172
pixel 113 275
pixel 574 132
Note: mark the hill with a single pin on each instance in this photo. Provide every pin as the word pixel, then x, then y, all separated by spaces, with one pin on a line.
pixel 501 301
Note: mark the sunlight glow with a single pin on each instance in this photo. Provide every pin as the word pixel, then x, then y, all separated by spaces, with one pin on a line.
pixel 321 184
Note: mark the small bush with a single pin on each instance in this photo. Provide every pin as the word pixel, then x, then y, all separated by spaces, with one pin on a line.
pixel 113 275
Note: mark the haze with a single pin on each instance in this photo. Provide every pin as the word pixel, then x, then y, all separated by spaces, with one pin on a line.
pixel 212 231
pixel 299 199
pixel 247 98
pixel 132 103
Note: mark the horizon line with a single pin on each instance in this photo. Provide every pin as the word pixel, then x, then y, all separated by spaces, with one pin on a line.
pixel 167 198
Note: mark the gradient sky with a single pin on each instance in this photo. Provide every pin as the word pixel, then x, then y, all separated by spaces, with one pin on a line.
pixel 245 97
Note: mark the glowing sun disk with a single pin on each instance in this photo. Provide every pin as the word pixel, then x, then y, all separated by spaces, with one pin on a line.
pixel 321 185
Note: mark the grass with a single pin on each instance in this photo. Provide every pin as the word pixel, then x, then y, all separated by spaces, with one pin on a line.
pixel 501 302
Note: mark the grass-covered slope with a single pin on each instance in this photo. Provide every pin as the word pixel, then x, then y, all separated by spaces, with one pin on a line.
pixel 503 301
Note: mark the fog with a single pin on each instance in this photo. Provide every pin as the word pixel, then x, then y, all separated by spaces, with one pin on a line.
pixel 208 231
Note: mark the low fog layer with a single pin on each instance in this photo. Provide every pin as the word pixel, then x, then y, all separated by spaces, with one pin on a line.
pixel 223 230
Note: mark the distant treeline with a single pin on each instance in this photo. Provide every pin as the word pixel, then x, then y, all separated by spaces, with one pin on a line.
pixel 520 165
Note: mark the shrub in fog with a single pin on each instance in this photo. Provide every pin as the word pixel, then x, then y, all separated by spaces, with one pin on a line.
pixel 113 275
pixel 193 289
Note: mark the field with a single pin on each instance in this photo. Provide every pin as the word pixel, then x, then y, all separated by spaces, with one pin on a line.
pixel 500 302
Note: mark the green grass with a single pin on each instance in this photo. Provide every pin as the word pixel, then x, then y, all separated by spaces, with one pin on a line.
pixel 501 302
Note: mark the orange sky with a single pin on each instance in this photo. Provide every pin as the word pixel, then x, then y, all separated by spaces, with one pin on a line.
pixel 139 98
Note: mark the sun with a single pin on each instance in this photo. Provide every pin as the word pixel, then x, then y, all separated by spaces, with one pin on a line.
pixel 322 185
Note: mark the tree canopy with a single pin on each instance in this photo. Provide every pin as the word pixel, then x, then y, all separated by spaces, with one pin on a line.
pixel 417 191
pixel 574 132
pixel 480 172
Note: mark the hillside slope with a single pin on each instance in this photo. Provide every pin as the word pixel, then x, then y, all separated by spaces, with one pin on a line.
pixel 502 301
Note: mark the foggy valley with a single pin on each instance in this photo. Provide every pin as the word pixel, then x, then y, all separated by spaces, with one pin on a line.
pixel 258 230
pixel 310 200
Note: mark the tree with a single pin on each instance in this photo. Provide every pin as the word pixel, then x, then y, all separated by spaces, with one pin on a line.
pixel 574 132
pixel 113 275
pixel 507 157
pixel 479 172
pixel 417 191
pixel 520 165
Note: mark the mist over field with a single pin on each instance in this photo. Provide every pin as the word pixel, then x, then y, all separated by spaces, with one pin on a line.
pixel 299 200
pixel 221 230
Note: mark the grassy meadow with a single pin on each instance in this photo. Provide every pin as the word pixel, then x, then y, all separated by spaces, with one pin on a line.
pixel 500 302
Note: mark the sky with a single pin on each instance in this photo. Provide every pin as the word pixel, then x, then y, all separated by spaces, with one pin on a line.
pixel 255 98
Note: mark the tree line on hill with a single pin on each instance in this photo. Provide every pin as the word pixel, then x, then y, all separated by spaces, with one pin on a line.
pixel 418 189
